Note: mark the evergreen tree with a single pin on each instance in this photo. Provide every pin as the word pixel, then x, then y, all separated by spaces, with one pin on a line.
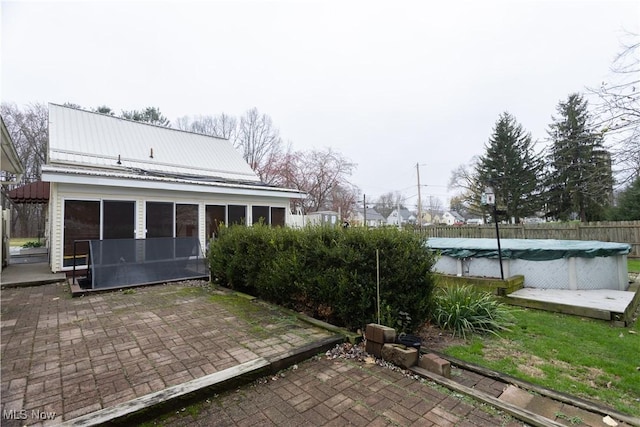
pixel 628 208
pixel 579 179
pixel 512 168
pixel 149 115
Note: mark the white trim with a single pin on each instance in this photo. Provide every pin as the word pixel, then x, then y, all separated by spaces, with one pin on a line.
pixel 69 176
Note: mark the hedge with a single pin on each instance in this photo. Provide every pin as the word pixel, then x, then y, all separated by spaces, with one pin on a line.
pixel 328 272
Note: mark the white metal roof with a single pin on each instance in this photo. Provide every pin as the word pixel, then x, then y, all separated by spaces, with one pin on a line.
pixel 79 138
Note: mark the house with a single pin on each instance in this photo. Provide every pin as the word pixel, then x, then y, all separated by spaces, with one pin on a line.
pixel 374 219
pixel 12 169
pixel 452 218
pixel 323 218
pixel 112 178
pixel 403 216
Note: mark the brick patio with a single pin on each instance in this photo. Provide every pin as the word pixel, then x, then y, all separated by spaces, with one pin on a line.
pixel 76 356
pixel 339 392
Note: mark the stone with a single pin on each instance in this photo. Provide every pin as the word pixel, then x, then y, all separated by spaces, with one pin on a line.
pixel 380 333
pixel 373 348
pixel 434 363
pixel 400 355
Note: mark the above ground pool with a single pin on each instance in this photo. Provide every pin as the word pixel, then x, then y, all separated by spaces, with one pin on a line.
pixel 545 264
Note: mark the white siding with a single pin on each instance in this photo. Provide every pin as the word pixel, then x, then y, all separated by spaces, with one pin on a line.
pixel 61 192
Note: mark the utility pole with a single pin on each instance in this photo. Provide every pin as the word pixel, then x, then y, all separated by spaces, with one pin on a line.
pixel 419 199
pixel 364 201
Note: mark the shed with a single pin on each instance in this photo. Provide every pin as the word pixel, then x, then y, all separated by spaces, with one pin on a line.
pixel 112 178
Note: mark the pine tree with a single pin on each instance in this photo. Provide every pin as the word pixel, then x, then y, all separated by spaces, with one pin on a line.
pixel 579 179
pixel 511 167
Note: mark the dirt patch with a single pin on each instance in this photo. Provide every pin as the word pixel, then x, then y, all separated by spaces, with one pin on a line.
pixel 436 339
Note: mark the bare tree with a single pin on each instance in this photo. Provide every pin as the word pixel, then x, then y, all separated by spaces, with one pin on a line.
pixel 258 140
pixel 29 130
pixel 323 174
pixel 618 109
pixel 387 202
pixel 254 135
pixel 221 126
pixel 463 178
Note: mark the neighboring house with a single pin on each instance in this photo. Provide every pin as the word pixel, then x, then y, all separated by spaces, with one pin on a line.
pixel 374 219
pixel 452 218
pixel 323 218
pixel 12 169
pixel 113 178
pixel 404 216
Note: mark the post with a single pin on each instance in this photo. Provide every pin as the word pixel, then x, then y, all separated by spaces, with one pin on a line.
pixel 419 199
pixel 378 282
pixel 495 218
pixel 364 202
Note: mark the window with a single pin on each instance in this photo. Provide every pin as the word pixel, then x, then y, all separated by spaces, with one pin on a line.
pixel 118 219
pixel 237 214
pixel 81 222
pixel 260 213
pixel 214 216
pixel 277 217
pixel 159 219
pixel 186 220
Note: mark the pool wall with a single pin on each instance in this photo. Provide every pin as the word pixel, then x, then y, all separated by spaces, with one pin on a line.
pixel 572 272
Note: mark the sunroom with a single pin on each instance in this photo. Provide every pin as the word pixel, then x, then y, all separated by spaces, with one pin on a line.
pixel 119 180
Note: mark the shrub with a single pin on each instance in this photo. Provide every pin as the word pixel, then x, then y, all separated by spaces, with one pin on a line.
pixel 328 272
pixel 464 310
pixel 32 244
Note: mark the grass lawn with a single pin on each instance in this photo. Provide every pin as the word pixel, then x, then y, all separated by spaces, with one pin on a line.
pixel 633 265
pixel 19 241
pixel 582 357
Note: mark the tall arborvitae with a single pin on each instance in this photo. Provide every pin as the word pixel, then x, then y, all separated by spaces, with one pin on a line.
pixel 579 179
pixel 512 168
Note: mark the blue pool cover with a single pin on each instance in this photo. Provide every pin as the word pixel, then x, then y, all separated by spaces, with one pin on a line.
pixel 528 249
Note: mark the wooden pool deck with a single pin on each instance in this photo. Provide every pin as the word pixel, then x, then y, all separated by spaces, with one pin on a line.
pixel 616 306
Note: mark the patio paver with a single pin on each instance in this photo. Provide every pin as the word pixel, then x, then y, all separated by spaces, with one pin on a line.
pixel 75 356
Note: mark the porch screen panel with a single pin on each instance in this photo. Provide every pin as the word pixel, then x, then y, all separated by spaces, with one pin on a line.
pixel 186 220
pixel 160 223
pixel 119 219
pixel 159 219
pixel 277 217
pixel 118 222
pixel 214 216
pixel 237 215
pixel 81 222
pixel 186 226
pixel 260 213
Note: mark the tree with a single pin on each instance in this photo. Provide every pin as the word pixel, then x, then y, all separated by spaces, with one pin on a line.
pixel 579 179
pixel 258 140
pixel 322 174
pixel 150 115
pixel 387 202
pixel 618 109
pixel 628 207
pixel 464 179
pixel 29 130
pixel 511 168
pixel 220 126
pixel 254 135
pixel 103 109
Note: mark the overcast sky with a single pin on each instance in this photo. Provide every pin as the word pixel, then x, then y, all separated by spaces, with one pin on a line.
pixel 387 83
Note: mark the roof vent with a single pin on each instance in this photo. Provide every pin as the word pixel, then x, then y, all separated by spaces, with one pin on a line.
pixel 119 162
pixel 151 154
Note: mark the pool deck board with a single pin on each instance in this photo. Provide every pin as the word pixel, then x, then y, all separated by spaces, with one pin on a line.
pixel 606 304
